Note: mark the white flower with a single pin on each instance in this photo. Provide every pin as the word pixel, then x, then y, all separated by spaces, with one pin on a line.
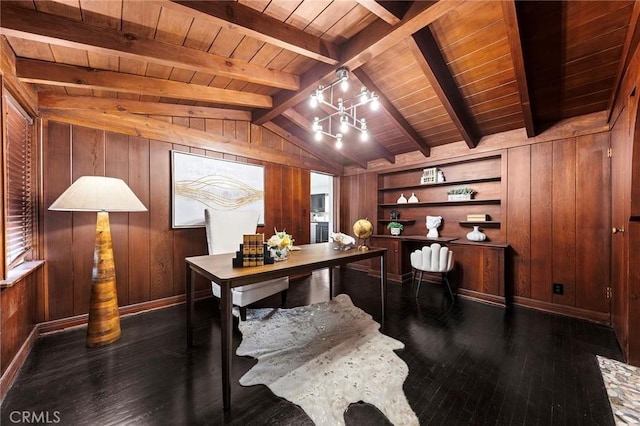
pixel 280 240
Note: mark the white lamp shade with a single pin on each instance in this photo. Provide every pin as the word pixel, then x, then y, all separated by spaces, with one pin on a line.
pixel 98 193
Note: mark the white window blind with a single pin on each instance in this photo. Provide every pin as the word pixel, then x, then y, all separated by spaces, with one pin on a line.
pixel 20 200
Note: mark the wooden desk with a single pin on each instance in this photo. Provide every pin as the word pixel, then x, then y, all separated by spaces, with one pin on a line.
pixel 218 269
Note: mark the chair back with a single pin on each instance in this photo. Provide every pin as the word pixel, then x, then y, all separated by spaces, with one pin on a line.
pixel 432 259
pixel 226 228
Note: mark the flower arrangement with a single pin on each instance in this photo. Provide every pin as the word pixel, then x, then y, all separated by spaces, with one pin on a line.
pixel 279 244
pixel 280 240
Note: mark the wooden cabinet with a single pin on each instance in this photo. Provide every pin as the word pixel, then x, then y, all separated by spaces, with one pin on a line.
pixel 395 255
pixel 483 173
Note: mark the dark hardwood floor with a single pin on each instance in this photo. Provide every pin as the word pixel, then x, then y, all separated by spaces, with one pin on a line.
pixel 469 364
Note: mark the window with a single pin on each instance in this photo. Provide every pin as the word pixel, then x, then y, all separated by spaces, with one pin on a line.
pixel 20 200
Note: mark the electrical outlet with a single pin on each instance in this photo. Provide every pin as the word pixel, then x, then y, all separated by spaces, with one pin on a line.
pixel 558 288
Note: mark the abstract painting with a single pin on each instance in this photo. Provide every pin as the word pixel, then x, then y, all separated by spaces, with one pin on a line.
pixel 199 182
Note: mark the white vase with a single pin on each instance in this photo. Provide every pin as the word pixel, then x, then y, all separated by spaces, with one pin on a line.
pixel 476 234
pixel 279 254
pixel 413 198
pixel 402 199
pixel 395 231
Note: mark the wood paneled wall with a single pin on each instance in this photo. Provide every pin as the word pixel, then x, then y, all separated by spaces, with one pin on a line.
pixel 557 197
pixel 149 255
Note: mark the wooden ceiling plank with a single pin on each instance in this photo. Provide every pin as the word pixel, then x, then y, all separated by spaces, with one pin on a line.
pixel 262 27
pixel 380 36
pixel 48 73
pixel 303 124
pixel 60 31
pixel 394 115
pixel 389 11
pixel 515 44
pixel 51 100
pixel 367 44
pixel 427 53
pixel 633 35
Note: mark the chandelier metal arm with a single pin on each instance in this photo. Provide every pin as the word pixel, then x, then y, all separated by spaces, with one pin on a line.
pixel 345 112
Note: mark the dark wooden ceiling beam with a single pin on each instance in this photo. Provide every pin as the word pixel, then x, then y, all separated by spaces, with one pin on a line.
pixel 427 53
pixel 368 43
pixel 250 22
pixel 515 44
pixel 390 12
pixel 60 31
pixel 61 102
pixel 49 73
pixel 303 124
pixel 149 128
pixel 388 108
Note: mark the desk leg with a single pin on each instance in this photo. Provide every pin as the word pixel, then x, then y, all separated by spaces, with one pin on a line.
pixel 383 285
pixel 226 329
pixel 330 282
pixel 190 290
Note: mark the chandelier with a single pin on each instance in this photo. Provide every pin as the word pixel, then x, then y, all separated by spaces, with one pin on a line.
pixel 344 111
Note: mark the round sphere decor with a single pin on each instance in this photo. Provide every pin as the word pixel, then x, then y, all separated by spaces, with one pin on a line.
pixel 363 230
pixel 476 234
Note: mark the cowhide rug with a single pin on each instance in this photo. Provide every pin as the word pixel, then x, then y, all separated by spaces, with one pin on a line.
pixel 325 356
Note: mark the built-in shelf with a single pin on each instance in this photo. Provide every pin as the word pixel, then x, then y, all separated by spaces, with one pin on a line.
pixel 441 203
pixel 432 185
pixel 404 222
pixel 483 224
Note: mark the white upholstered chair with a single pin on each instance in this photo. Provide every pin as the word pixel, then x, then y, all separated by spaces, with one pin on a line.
pixel 224 235
pixel 433 259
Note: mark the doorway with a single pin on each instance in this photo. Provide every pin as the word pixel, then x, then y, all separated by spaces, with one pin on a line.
pixel 321 207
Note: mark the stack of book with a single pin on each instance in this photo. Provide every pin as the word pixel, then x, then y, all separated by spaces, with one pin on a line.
pixel 253 251
pixel 477 218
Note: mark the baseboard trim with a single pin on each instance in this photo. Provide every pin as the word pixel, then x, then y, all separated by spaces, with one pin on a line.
pixel 570 311
pixel 481 297
pixel 16 364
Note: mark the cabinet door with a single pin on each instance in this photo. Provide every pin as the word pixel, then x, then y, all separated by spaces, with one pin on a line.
pixel 479 269
pixel 393 257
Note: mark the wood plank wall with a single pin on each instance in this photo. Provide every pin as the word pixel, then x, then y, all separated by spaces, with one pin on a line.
pixel 149 255
pixel 557 222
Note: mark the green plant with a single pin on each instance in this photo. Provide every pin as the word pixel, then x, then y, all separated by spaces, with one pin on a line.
pixel 465 190
pixel 395 225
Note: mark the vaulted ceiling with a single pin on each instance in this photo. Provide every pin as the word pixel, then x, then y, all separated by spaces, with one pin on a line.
pixel 445 71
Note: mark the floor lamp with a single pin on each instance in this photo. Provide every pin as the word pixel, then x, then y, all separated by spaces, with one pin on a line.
pixel 103 195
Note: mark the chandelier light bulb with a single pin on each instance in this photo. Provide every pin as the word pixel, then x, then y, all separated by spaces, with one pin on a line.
pixel 364 95
pixel 364 133
pixel 375 104
pixel 344 128
pixel 339 140
pixel 318 135
pixel 316 124
pixel 314 100
pixel 344 85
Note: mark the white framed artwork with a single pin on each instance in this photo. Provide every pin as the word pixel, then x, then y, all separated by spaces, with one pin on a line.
pixel 199 182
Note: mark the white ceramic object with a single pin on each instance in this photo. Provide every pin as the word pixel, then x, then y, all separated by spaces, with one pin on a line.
pixel 413 198
pixel 395 231
pixel 433 222
pixel 402 199
pixel 476 234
